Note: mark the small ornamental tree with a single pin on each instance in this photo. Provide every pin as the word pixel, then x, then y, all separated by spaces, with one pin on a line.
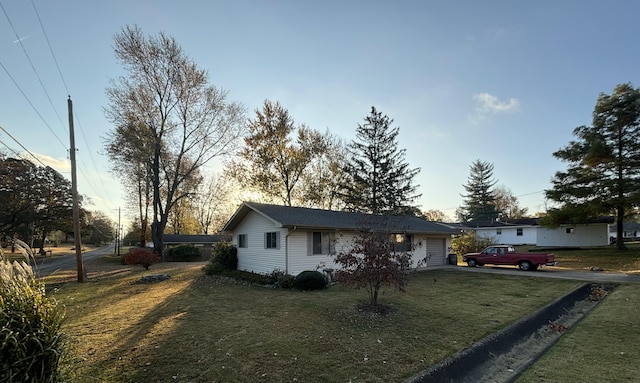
pixel 142 256
pixel 469 242
pixel 373 262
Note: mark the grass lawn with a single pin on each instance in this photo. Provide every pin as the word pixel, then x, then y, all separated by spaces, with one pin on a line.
pixel 194 328
pixel 602 348
pixel 607 258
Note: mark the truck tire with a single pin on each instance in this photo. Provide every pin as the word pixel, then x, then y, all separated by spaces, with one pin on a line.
pixel 525 265
pixel 472 263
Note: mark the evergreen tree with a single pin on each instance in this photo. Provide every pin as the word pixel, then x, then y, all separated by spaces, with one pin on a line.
pixel 378 179
pixel 603 175
pixel 480 201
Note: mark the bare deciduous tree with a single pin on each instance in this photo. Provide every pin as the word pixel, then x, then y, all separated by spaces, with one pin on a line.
pixel 187 121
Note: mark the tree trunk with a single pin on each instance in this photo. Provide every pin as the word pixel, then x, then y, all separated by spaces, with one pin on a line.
pixel 620 229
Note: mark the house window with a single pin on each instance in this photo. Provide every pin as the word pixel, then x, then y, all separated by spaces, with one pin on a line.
pixel 322 243
pixel 242 240
pixel 271 240
pixel 628 234
pixel 519 231
pixel 568 230
pixel 498 231
pixel 402 243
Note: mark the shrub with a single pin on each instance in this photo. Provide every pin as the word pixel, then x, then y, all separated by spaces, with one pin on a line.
pixel 282 279
pixel 286 281
pixel 226 254
pixel 224 257
pixel 260 279
pixel 141 256
pixel 213 268
pixel 31 340
pixel 184 253
pixel 310 280
pixel 469 242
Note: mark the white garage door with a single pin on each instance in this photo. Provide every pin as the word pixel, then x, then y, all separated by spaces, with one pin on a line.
pixel 436 249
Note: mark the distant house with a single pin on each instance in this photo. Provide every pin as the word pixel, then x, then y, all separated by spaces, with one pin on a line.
pixel 295 239
pixel 523 231
pixel 630 231
pixel 201 241
pixel 527 231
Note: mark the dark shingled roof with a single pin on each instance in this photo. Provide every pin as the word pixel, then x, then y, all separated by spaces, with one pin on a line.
pixel 190 238
pixel 307 218
pixel 512 222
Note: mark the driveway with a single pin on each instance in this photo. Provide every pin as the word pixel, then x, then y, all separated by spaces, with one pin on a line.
pixel 553 272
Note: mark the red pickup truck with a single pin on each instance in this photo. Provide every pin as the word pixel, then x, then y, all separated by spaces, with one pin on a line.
pixel 506 255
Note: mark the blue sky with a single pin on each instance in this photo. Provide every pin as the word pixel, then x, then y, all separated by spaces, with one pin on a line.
pixel 500 81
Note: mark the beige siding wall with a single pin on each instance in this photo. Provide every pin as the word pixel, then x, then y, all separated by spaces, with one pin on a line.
pixel 596 234
pixel 294 254
pixel 301 259
pixel 255 257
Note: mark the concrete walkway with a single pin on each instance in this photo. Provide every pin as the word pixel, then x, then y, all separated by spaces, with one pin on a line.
pixel 553 272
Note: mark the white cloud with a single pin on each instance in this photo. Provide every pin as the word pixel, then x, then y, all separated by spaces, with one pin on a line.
pixel 61 165
pixel 488 104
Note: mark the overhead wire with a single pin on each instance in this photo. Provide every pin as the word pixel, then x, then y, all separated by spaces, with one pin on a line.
pixel 22 146
pixel 31 103
pixel 19 40
pixel 33 68
pixel 10 148
pixel 55 60
pixel 75 115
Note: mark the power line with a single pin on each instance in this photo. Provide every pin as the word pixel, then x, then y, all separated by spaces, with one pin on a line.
pixel 44 32
pixel 19 40
pixel 10 148
pixel 84 137
pixel 22 146
pixel 49 45
pixel 30 103
pixel 55 60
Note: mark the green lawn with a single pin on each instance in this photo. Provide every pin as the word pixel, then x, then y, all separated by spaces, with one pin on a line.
pixel 601 348
pixel 194 328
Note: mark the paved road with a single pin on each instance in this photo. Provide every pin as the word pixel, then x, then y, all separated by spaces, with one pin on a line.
pixel 47 266
pixel 553 272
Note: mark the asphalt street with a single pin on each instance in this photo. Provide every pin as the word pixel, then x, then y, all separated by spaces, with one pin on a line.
pixel 47 266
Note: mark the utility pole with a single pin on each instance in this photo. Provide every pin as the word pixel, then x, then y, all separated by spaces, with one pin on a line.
pixel 74 191
pixel 119 233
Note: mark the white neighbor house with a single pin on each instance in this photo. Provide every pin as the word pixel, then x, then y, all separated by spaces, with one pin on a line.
pixel 526 231
pixel 295 239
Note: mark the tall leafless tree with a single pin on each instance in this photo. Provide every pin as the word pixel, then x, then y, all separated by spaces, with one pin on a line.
pixel 187 121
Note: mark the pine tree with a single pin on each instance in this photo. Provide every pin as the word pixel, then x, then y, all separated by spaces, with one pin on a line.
pixel 603 175
pixel 378 179
pixel 479 202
